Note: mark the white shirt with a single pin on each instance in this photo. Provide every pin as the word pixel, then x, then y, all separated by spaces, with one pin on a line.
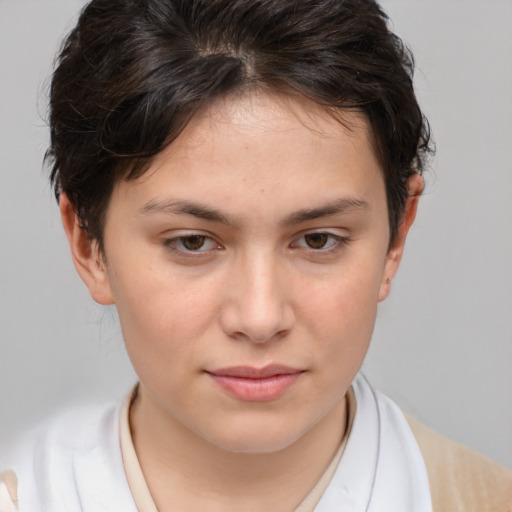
pixel 75 464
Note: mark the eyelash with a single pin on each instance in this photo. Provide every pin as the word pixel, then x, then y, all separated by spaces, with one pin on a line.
pixel 338 242
pixel 172 244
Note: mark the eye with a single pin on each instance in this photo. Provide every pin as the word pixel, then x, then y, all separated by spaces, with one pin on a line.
pixel 320 241
pixel 193 243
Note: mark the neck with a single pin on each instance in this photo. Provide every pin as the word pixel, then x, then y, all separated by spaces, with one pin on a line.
pixel 186 472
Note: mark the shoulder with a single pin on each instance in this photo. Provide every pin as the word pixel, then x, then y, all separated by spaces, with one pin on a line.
pixel 67 435
pixel 461 479
pixel 70 460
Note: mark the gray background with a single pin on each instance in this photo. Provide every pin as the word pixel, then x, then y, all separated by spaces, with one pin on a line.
pixel 443 342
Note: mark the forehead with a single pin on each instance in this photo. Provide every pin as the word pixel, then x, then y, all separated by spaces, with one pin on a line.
pixel 256 150
pixel 265 117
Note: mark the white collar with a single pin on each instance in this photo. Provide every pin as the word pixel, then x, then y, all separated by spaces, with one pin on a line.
pixel 382 468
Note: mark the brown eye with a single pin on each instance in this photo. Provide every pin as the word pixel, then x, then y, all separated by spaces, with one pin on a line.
pixel 316 240
pixel 192 245
pixel 193 242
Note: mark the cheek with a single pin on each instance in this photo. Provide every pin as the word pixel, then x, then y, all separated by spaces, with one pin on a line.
pixel 160 315
pixel 342 313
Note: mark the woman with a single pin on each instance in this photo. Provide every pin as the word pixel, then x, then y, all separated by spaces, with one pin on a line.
pixel 239 178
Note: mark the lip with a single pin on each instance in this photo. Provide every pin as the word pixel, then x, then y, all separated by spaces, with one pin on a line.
pixel 251 384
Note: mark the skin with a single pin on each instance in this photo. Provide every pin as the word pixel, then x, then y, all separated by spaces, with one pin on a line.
pixel 245 276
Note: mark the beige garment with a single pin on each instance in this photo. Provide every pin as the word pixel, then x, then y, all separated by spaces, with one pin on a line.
pixel 136 481
pixel 139 488
pixel 8 491
pixel 462 480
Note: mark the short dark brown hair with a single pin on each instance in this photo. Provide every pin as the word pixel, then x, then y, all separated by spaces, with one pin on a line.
pixel 132 73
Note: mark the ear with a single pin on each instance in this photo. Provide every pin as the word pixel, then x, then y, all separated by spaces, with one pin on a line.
pixel 89 263
pixel 415 187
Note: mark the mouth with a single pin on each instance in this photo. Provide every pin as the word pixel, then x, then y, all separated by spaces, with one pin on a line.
pixel 252 384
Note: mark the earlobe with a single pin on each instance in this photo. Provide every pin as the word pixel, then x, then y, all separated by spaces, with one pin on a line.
pixel 415 187
pixel 88 261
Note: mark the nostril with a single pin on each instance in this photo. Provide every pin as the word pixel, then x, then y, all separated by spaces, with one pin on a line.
pixel 260 339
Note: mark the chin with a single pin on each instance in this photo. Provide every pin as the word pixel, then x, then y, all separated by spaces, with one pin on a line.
pixel 255 439
pixel 254 446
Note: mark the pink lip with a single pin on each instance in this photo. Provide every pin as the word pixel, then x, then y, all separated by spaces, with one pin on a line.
pixel 255 384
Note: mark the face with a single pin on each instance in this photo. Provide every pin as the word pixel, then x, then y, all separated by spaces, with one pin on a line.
pixel 246 266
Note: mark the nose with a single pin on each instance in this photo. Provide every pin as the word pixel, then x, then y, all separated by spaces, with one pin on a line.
pixel 258 308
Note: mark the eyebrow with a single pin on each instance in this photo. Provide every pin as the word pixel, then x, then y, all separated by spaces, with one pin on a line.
pixel 185 208
pixel 179 207
pixel 338 206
